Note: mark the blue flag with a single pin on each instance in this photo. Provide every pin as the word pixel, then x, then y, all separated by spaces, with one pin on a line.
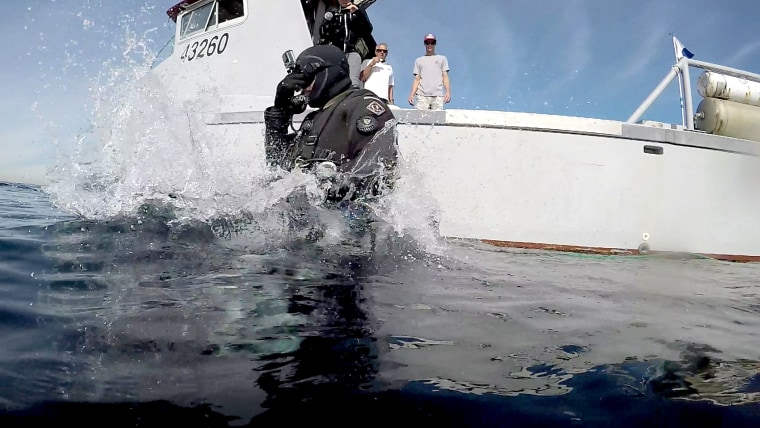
pixel 680 50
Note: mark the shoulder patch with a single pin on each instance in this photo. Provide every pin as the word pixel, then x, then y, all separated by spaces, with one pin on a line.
pixel 376 107
pixel 366 125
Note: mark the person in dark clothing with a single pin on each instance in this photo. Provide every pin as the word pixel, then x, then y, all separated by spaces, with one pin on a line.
pixel 347 27
pixel 351 138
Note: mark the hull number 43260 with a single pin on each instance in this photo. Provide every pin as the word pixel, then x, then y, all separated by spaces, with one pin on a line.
pixel 206 47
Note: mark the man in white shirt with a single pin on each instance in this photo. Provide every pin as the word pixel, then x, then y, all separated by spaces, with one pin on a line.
pixel 377 74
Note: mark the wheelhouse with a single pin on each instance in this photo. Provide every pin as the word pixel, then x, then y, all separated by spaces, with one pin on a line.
pixel 200 16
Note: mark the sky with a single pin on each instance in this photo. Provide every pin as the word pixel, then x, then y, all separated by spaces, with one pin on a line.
pixel 588 58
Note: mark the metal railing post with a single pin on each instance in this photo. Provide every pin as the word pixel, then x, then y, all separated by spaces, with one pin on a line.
pixel 653 96
pixel 681 69
pixel 684 66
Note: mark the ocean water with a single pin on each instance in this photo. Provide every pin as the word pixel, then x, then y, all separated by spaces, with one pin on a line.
pixel 159 281
pixel 148 319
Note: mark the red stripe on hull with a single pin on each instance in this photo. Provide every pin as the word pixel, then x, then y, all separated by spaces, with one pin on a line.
pixel 609 251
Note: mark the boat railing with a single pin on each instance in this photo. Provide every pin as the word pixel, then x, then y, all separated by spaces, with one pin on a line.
pixel 164 53
pixel 681 70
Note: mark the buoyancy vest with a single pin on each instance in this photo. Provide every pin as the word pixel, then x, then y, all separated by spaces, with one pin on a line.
pixel 323 135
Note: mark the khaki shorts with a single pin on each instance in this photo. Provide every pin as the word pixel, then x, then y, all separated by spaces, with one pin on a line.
pixel 423 102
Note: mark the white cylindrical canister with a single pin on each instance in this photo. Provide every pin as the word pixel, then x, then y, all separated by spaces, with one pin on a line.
pixel 728 118
pixel 716 85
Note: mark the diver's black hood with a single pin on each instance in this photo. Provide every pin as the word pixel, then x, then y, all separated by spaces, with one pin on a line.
pixel 328 67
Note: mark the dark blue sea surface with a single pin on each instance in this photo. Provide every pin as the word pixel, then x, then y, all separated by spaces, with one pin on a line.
pixel 151 320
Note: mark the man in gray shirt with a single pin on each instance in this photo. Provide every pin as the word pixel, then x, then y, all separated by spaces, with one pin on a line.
pixel 430 89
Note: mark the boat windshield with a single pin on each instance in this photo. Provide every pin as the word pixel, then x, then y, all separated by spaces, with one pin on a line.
pixel 209 15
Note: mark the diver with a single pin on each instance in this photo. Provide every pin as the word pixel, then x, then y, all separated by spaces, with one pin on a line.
pixel 347 27
pixel 349 141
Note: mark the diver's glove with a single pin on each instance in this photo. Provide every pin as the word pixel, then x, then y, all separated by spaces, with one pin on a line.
pixel 287 88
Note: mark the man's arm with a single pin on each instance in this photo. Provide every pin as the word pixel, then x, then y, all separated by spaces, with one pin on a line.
pixel 361 23
pixel 277 141
pixel 446 85
pixel 371 159
pixel 367 69
pixel 372 140
pixel 415 84
pixel 390 86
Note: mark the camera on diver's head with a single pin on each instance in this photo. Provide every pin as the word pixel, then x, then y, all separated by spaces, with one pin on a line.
pixel 298 102
pixel 289 61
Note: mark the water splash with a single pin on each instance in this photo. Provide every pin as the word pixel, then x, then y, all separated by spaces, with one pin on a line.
pixel 144 148
pixel 412 210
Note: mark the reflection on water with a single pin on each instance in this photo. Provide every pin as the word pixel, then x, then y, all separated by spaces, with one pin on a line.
pixel 146 320
pixel 136 310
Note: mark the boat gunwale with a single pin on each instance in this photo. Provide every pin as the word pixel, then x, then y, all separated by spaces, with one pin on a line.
pixel 675 136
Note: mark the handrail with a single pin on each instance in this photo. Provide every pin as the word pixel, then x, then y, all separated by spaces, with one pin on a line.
pixel 682 68
pixel 636 116
pixel 735 72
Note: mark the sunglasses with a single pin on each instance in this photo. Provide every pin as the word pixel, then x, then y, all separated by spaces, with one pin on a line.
pixel 381 50
pixel 432 42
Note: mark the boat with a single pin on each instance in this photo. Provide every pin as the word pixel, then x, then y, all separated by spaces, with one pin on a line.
pixel 511 179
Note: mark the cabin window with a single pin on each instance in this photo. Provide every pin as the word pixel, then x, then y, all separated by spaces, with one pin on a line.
pixel 197 20
pixel 209 16
pixel 230 9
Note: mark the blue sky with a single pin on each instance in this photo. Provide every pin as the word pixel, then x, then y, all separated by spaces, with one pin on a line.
pixel 593 58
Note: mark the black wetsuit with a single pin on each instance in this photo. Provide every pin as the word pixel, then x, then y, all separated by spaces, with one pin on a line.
pixel 355 131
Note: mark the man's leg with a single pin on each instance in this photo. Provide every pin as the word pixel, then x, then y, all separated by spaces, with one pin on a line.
pixel 355 68
pixel 436 103
pixel 422 102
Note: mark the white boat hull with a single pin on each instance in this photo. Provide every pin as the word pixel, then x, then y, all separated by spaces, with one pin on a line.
pixel 587 191
pixel 573 184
